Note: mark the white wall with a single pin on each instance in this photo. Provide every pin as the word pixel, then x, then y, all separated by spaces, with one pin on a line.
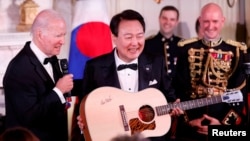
pixel 9 12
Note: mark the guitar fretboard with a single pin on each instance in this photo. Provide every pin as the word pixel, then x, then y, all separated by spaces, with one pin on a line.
pixel 186 105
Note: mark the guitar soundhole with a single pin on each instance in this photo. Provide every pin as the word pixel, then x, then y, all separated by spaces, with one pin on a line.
pixel 146 113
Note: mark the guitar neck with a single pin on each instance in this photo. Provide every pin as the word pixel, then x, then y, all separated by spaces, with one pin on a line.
pixel 186 105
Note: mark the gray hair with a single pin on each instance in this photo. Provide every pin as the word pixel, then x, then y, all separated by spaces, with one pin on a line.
pixel 44 18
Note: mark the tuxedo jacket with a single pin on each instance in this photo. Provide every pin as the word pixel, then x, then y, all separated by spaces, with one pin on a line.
pixel 102 71
pixel 30 100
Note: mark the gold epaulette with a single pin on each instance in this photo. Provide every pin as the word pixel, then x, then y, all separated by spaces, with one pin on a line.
pixel 241 45
pixel 183 42
pixel 151 36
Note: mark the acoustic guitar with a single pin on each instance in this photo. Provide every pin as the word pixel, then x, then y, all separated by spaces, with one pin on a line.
pixel 108 112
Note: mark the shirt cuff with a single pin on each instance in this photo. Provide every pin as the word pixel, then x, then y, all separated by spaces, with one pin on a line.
pixel 60 95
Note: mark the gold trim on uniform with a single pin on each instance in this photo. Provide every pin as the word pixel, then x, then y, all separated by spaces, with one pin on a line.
pixel 232 118
pixel 240 45
pixel 212 43
pixel 214 75
pixel 183 42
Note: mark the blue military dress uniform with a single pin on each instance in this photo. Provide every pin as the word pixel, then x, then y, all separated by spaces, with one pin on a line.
pixel 159 45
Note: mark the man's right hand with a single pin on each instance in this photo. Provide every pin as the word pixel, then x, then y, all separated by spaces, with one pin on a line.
pixel 203 129
pixel 65 84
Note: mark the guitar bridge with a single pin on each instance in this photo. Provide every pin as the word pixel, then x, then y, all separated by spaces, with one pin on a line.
pixel 124 119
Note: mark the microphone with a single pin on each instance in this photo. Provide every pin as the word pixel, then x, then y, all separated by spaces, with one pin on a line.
pixel 65 70
pixel 64 66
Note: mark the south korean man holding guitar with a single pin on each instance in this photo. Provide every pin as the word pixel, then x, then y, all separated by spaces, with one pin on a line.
pixel 119 79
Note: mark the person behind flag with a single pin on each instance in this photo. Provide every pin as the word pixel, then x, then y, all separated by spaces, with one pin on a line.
pixel 127 67
pixel 198 30
pixel 34 98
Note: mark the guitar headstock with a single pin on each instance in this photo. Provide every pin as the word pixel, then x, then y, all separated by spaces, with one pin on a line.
pixel 232 97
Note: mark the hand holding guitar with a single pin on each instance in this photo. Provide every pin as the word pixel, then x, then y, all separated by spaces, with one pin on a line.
pixel 80 122
pixel 175 112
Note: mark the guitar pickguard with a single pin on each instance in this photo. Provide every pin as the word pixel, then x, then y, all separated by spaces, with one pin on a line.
pixel 137 126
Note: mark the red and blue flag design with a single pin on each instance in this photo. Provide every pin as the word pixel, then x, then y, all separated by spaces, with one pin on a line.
pixel 90 36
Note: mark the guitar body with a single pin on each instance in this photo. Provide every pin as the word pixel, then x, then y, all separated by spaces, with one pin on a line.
pixel 108 112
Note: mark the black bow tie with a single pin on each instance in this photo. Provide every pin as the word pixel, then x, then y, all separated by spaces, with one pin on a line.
pixel 130 66
pixel 52 60
pixel 55 67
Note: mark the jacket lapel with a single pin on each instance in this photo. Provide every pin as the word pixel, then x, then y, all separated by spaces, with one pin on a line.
pixel 109 71
pixel 40 70
pixel 145 71
pixel 110 75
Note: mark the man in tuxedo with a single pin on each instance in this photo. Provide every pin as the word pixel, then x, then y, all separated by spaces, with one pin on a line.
pixel 33 83
pixel 127 67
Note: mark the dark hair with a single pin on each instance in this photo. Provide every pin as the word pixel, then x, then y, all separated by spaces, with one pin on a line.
pixel 18 134
pixel 134 137
pixel 197 25
pixel 125 15
pixel 170 8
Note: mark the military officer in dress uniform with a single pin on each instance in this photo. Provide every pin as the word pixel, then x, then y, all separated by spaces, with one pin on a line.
pixel 209 67
pixel 165 42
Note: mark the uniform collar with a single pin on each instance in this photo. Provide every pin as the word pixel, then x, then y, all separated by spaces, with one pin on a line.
pixel 164 39
pixel 212 43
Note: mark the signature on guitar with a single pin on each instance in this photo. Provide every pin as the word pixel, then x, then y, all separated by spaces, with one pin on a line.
pixel 106 100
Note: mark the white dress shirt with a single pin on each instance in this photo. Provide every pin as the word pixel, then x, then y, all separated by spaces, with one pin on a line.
pixel 128 78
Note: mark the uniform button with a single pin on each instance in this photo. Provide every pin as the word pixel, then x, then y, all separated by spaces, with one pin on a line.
pixel 175 60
